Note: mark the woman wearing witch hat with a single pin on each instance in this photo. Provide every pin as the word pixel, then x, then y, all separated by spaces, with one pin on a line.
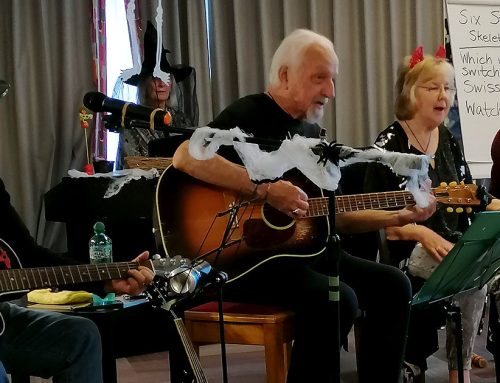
pixel 176 92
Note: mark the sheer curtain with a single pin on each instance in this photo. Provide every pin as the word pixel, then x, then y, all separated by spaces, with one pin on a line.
pixel 46 56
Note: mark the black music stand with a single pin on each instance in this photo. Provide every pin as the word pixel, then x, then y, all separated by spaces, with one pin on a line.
pixel 471 263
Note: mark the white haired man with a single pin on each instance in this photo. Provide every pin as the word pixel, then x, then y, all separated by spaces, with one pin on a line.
pixel 301 83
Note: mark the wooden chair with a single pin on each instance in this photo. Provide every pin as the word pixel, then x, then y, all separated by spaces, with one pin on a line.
pixel 248 324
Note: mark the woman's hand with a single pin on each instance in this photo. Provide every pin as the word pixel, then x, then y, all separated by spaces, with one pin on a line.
pixel 414 213
pixel 436 246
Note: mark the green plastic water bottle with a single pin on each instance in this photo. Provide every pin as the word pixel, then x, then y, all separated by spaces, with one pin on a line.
pixel 100 245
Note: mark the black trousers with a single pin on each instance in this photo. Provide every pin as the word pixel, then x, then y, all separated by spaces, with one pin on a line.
pixel 382 292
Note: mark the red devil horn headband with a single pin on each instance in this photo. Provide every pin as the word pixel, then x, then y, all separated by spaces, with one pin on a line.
pixel 440 52
pixel 418 55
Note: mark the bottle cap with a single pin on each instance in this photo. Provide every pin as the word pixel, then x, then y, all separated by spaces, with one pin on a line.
pixel 99 227
pixel 89 169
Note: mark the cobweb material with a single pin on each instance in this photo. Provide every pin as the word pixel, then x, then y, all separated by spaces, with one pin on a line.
pixel 297 152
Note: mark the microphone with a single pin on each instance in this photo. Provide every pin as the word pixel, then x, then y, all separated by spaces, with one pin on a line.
pixel 99 102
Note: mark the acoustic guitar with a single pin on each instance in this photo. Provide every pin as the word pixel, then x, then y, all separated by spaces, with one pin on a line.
pixel 192 218
pixel 15 281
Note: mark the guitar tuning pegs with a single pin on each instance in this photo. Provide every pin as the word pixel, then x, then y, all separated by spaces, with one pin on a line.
pixel 453 183
pixel 443 184
pixel 459 209
pixel 449 210
pixel 468 210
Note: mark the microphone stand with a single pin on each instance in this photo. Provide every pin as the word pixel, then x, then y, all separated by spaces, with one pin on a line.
pixel 221 278
pixel 113 123
pixel 333 255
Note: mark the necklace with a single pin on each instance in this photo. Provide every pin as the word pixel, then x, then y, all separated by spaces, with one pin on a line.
pixel 424 150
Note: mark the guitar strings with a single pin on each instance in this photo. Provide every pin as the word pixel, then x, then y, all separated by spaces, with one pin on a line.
pixel 21 279
pixel 191 353
pixel 319 206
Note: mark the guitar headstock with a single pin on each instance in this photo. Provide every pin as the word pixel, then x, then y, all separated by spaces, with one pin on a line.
pixel 164 266
pixel 459 197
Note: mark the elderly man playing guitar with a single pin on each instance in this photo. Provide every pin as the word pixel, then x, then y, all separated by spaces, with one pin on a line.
pixel 301 83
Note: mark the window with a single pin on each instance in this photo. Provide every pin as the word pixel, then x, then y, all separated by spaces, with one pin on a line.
pixel 118 58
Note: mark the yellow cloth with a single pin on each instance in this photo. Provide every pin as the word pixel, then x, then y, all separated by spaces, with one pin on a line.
pixel 63 297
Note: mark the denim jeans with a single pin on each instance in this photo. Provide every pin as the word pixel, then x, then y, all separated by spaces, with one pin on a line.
pixel 50 344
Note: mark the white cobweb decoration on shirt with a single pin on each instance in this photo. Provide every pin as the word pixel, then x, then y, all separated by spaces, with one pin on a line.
pixel 297 153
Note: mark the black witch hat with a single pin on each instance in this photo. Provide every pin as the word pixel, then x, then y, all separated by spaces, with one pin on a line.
pixel 179 71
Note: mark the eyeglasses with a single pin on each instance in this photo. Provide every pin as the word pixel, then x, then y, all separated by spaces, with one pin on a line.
pixel 436 90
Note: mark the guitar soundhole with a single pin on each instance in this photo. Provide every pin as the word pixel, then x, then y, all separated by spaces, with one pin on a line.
pixel 276 219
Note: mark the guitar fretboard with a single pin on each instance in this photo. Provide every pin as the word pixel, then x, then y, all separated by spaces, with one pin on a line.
pixel 318 207
pixel 28 279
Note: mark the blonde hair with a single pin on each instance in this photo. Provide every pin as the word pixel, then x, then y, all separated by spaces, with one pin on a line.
pixel 292 50
pixel 425 70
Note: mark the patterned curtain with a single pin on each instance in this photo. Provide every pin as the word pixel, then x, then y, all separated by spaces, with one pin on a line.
pixel 99 56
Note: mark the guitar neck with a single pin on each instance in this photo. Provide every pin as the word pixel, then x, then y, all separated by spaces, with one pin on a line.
pixel 346 203
pixel 192 356
pixel 33 278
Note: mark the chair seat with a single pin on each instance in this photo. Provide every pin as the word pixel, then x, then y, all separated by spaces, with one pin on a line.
pixel 249 324
pixel 240 312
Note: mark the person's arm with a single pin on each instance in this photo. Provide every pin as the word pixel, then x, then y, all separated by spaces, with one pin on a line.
pixel 216 171
pixel 436 245
pixel 369 220
pixel 16 234
pixel 282 195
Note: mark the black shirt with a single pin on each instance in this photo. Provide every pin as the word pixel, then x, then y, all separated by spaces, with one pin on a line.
pixel 260 116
